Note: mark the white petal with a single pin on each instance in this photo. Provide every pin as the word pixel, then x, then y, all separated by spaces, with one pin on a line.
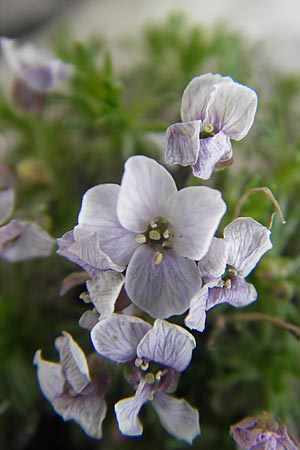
pixel 73 362
pixel 232 109
pixel 50 376
pixel 145 188
pixel 163 289
pixel 197 94
pixel 195 320
pixel 89 319
pixel 177 416
pixel 212 266
pixel 183 143
pixel 7 199
pixel 239 294
pixel 248 240
pixel 127 411
pixel 195 213
pixel 168 344
pixel 104 291
pixel 118 336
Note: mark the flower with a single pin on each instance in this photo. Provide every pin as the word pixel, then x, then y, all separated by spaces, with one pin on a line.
pixel 156 356
pixel 224 267
pixel 68 385
pixel 214 110
pixel 262 433
pixel 150 228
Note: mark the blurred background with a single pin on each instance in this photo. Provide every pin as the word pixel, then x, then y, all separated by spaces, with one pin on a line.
pixel 132 60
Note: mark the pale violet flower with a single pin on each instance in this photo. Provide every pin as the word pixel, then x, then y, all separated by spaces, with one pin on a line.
pixel 150 228
pixel 263 433
pixel 225 267
pixel 69 386
pixel 155 356
pixel 214 109
pixel 38 69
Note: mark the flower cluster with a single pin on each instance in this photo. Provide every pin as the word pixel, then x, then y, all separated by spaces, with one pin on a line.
pixel 148 248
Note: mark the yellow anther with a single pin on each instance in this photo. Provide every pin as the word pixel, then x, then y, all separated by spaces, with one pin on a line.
pixel 158 375
pixel 144 366
pixel 154 235
pixel 208 128
pixel 228 283
pixel 150 378
pixel 140 239
pixel 153 224
pixel 166 234
pixel 150 396
pixel 158 257
pixel 138 362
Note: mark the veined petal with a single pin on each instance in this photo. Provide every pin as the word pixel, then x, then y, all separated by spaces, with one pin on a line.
pixel 104 291
pixel 183 143
pixel 213 150
pixel 168 344
pixel 163 289
pixel 195 320
pixel 82 246
pixel 145 188
pixel 50 376
pixel 20 240
pixel 239 294
pixel 88 409
pixel 248 240
pixel 7 199
pixel 99 213
pixel 73 362
pixel 177 416
pixel 231 108
pixel 127 411
pixel 197 94
pixel 89 319
pixel 195 213
pixel 212 266
pixel 117 337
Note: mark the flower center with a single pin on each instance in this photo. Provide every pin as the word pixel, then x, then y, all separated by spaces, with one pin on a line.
pixel 150 371
pixel 230 272
pixel 158 235
pixel 208 131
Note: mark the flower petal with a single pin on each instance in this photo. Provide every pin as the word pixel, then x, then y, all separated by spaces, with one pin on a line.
pixel 195 320
pixel 127 411
pixel 85 251
pixel 89 319
pixel 195 213
pixel 197 94
pixel 183 143
pixel 168 344
pixel 72 280
pixel 213 264
pixel 88 409
pixel 231 108
pixel 117 337
pixel 104 291
pixel 239 294
pixel 20 240
pixel 213 150
pixel 99 214
pixel 248 241
pixel 145 188
pixel 50 376
pixel 177 416
pixel 7 199
pixel 73 362
pixel 163 289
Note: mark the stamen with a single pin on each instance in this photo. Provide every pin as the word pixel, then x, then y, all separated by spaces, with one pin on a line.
pixel 150 395
pixel 158 375
pixel 150 378
pixel 158 257
pixel 154 235
pixel 208 128
pixel 166 234
pixel 144 366
pixel 140 239
pixel 138 362
pixel 228 283
pixel 153 224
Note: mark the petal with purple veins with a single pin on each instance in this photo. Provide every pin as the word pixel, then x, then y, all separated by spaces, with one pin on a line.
pixel 240 293
pixel 248 240
pixel 50 376
pixel 168 344
pixel 213 264
pixel 145 188
pixel 104 290
pixel 161 289
pixel 117 337
pixel 195 320
pixel 183 143
pixel 177 416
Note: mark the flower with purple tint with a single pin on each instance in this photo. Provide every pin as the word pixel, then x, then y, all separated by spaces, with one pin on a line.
pixel 214 109
pixel 262 433
pixel 68 385
pixel 155 356
pixel 149 227
pixel 224 267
